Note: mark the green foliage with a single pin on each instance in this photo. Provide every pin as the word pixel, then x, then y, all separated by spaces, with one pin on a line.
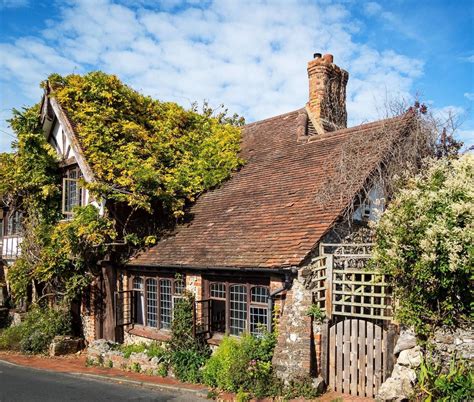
pixel 455 385
pixel 425 244
pixel 300 387
pixel 243 364
pixel 315 312
pixel 189 353
pixel 63 252
pixel 10 338
pixel 155 150
pixel 127 350
pixel 149 155
pixel 38 328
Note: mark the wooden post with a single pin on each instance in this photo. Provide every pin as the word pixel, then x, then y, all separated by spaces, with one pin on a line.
pixel 329 268
pixel 392 332
pixel 324 370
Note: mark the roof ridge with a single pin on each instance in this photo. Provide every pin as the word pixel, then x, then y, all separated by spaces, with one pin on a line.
pixel 268 119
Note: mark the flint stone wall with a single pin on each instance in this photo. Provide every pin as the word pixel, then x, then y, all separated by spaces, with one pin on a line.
pixel 443 346
pixel 106 354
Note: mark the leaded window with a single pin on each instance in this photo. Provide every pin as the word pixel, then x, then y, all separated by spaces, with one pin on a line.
pixel 165 303
pixel 258 309
pixel 72 195
pixel 152 303
pixel 217 290
pixel 155 299
pixel 238 309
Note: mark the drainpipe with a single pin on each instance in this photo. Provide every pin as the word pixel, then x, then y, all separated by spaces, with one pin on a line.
pixel 271 298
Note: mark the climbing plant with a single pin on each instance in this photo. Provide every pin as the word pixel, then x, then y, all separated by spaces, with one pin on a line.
pixel 144 154
pixel 425 243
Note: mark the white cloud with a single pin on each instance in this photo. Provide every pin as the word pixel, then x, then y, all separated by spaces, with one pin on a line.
pixel 469 95
pixel 13 3
pixel 251 56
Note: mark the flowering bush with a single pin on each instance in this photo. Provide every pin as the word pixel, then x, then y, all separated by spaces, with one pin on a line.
pixel 425 244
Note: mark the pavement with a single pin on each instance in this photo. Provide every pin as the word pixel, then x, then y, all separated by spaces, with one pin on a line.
pixel 39 378
pixel 36 379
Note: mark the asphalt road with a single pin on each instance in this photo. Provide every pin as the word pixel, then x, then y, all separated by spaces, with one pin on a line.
pixel 18 384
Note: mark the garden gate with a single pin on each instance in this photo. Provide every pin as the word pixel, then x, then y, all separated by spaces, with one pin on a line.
pixel 358 337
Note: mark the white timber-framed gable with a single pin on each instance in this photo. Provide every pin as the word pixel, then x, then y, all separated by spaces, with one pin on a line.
pixel 60 134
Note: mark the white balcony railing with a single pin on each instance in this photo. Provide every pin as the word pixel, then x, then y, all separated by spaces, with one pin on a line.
pixel 11 247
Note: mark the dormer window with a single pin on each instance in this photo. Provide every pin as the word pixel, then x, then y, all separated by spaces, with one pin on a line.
pixel 72 192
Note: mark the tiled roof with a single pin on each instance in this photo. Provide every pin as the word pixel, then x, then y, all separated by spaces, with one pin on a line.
pixel 269 214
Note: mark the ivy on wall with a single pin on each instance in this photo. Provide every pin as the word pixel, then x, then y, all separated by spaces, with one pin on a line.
pixel 144 153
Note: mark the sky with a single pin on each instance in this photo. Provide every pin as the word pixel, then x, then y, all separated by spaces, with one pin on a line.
pixel 249 55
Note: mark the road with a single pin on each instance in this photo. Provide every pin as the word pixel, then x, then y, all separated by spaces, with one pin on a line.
pixel 19 384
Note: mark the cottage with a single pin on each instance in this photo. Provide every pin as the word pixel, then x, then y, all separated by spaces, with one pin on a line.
pixel 286 232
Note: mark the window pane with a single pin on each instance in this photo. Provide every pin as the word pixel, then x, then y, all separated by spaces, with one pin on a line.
pixel 137 283
pixel 165 303
pixel 238 309
pixel 258 319
pixel 218 290
pixel 178 287
pixel 151 306
pixel 259 294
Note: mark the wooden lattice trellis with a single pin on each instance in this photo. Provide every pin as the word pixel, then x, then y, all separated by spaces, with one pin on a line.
pixel 344 286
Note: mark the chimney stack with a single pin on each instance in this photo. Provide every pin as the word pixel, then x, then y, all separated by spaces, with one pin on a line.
pixel 327 94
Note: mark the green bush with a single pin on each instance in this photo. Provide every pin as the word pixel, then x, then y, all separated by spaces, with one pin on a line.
pixel 10 338
pixel 187 364
pixel 38 328
pixel 243 364
pixel 424 243
pixel 455 385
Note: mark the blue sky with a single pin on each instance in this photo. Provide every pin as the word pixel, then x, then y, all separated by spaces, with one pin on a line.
pixel 249 55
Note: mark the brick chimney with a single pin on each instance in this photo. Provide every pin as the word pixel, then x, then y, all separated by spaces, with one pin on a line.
pixel 327 94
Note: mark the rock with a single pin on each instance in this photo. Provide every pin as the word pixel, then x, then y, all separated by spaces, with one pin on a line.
pixel 406 340
pixel 319 385
pixel 64 345
pixel 404 373
pixel 394 390
pixel 410 357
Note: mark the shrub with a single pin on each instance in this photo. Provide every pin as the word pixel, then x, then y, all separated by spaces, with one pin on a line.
pixel 10 338
pixel 455 385
pixel 424 243
pixel 243 364
pixel 38 328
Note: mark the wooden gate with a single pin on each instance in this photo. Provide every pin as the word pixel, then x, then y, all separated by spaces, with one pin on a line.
pixel 359 337
pixel 360 356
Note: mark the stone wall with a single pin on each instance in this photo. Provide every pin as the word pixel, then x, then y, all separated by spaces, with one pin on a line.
pixel 443 345
pixel 294 351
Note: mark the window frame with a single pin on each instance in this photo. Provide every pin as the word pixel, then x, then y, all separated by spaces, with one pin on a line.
pixel 158 278
pixel 249 286
pixel 70 176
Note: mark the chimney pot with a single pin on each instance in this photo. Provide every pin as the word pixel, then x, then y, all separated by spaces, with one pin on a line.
pixel 329 58
pixel 317 55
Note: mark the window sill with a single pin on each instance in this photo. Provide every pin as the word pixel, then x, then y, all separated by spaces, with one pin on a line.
pixel 150 333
